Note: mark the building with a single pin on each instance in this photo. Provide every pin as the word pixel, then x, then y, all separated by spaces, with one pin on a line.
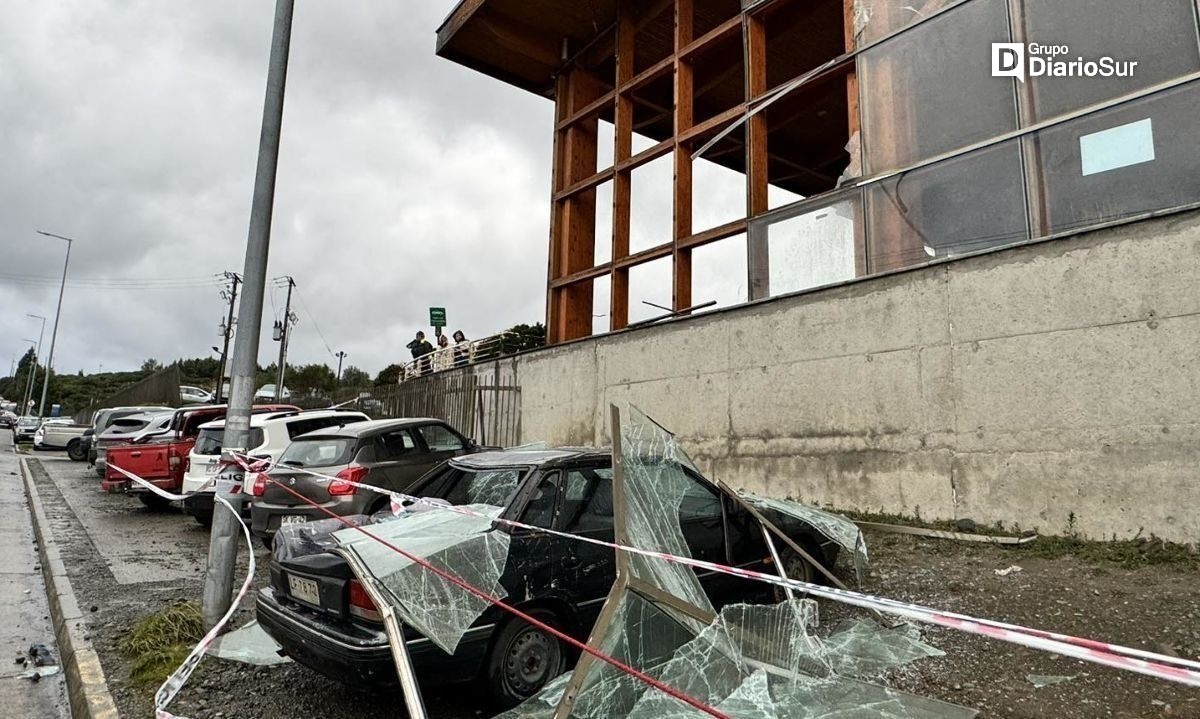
pixel 964 225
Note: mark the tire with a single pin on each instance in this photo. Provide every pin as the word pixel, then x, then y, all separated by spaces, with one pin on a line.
pixel 204 520
pixel 154 502
pixel 522 660
pixel 75 450
pixel 796 567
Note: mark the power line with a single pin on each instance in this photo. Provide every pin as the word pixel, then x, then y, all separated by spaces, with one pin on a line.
pixel 317 327
pixel 99 283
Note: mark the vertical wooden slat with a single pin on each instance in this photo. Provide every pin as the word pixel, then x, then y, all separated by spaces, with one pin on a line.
pixel 562 110
pixel 855 126
pixel 684 117
pixel 758 261
pixel 623 180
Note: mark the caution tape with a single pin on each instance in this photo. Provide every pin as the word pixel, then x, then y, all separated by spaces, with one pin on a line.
pixel 1139 661
pixel 174 683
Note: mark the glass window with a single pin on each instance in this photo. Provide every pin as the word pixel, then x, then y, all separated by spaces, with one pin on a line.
pixel 587 504
pixel 876 19
pixel 439 438
pixel 817 247
pixel 540 510
pixel 493 487
pixel 699 502
pixel 930 91
pixel 319 452
pixel 1124 161
pixel 1160 35
pixel 961 205
pixel 394 445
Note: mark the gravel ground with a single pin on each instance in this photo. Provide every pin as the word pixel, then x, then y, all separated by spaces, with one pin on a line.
pixel 1155 608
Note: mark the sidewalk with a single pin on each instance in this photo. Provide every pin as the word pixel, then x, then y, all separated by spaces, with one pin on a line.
pixel 23 596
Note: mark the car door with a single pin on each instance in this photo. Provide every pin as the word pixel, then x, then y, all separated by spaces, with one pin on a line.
pixel 702 520
pixel 586 510
pixel 399 459
pixel 531 571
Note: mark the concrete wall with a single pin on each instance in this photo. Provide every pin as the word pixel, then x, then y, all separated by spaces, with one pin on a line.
pixel 1019 387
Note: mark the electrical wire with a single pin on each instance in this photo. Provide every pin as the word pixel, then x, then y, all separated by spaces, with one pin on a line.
pixel 312 318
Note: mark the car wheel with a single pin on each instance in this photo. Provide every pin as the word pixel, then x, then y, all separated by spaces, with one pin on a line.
pixel 204 520
pixel 75 451
pixel 795 567
pixel 522 660
pixel 153 501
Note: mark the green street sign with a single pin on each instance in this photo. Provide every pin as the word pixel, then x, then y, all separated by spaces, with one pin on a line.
pixel 437 316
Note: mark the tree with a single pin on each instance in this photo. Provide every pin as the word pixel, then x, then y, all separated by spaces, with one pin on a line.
pixel 151 365
pixel 523 337
pixel 390 375
pixel 354 377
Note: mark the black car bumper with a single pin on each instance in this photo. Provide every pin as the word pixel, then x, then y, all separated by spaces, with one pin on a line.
pixel 360 657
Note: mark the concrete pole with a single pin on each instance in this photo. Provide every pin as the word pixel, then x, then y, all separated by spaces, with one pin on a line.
pixel 341 356
pixel 226 531
pixel 36 358
pixel 234 280
pixel 285 334
pixel 57 315
pixel 29 380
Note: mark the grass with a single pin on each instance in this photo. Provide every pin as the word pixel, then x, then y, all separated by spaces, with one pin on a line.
pixel 161 641
pixel 1132 553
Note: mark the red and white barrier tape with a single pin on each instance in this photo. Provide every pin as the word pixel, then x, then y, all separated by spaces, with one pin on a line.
pixel 174 683
pixel 1161 666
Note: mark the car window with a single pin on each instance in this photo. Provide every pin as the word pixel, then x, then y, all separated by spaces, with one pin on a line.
pixel 699 502
pixel 439 438
pixel 395 445
pixel 492 487
pixel 298 427
pixel 540 510
pixel 319 452
pixel 587 503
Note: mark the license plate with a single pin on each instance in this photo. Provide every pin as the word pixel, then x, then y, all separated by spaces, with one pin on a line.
pixel 212 468
pixel 306 590
pixel 289 519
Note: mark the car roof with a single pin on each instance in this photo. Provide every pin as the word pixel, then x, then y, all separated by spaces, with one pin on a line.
pixel 258 420
pixel 544 458
pixel 372 427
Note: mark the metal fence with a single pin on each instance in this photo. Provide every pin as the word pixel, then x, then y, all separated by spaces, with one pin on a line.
pixel 160 388
pixel 484 409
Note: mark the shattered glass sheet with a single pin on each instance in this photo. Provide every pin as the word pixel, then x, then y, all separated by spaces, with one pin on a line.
pixel 655 485
pixel 302 540
pixel 834 526
pixel 751 662
pixel 874 19
pixel 248 645
pixel 462 546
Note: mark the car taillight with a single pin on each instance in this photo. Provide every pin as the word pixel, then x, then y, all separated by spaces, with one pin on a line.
pixel 339 488
pixel 187 464
pixel 259 488
pixel 361 605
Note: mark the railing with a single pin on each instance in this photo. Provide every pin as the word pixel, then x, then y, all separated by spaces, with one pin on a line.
pixel 462 354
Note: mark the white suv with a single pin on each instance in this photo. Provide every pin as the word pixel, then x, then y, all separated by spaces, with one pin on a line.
pixel 270 434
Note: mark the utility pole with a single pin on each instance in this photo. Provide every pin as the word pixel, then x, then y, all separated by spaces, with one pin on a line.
pixel 285 333
pixel 341 356
pixel 57 315
pixel 227 328
pixel 37 357
pixel 226 528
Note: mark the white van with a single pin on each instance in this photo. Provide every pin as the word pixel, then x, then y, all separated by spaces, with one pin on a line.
pixel 270 434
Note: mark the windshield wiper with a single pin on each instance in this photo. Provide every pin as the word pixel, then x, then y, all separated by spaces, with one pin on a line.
pixel 293 463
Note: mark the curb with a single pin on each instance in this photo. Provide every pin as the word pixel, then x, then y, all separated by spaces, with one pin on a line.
pixel 87 689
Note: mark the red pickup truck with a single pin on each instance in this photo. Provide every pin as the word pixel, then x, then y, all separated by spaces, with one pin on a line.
pixel 162 462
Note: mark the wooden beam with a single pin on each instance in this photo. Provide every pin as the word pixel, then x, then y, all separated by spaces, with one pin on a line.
pixel 641 258
pixel 684 117
pixel 588 183
pixel 650 154
pixel 591 273
pixel 758 258
pixel 591 109
pixel 650 74
pixel 618 311
pixel 725 231
pixel 720 32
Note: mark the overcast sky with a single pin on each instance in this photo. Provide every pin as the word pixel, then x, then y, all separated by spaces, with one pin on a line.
pixel 405 180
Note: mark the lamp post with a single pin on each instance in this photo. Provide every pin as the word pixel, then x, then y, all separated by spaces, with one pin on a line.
pixel 341 356
pixel 57 315
pixel 36 358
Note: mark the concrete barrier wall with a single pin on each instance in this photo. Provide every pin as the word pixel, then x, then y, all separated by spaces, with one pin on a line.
pixel 1029 386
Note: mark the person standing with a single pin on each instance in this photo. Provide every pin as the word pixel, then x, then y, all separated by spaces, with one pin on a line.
pixel 421 349
pixel 462 349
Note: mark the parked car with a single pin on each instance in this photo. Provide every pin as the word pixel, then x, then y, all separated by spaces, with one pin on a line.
pixel 105 417
pixel 25 429
pixel 320 616
pixel 390 454
pixel 270 435
pixel 130 429
pixel 162 461
pixel 267 392
pixel 8 420
pixel 61 434
pixel 194 395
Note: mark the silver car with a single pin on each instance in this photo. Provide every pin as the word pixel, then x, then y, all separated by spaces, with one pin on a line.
pixel 129 429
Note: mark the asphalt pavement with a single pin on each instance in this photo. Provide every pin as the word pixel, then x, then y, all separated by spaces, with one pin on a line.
pixel 26 618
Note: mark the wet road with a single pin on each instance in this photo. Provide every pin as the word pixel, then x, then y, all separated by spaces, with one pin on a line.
pixel 23 597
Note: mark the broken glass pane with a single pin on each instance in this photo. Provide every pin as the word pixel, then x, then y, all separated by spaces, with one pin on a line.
pixel 463 546
pixel 834 526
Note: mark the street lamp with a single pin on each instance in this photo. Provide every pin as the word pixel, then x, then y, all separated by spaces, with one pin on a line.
pixel 57 314
pixel 29 380
pixel 36 358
